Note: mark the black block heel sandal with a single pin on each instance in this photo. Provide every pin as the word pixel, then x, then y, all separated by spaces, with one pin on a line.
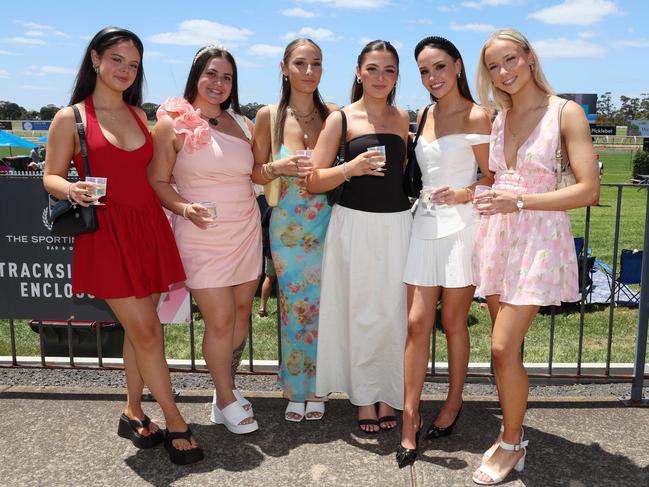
pixel 182 457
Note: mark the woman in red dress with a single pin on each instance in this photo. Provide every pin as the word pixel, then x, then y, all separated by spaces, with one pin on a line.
pixel 132 257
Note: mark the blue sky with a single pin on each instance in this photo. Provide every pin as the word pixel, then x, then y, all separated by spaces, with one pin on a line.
pixel 586 46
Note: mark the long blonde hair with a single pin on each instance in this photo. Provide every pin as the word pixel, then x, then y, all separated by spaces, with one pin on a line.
pixel 490 96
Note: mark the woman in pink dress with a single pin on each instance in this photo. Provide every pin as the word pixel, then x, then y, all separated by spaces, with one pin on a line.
pixel 525 256
pixel 202 146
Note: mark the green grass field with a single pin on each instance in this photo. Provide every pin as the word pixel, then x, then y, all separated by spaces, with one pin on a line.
pixel 617 169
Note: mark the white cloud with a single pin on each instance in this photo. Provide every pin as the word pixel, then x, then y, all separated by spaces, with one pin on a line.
pixel 7 53
pixel 37 70
pixel 85 37
pixel 319 34
pixel 36 88
pixel 200 32
pixel 587 34
pixel 265 50
pixel 4 74
pixel 40 27
pixel 353 4
pixel 576 12
pixel 247 64
pixel 153 54
pixel 568 48
pixel 34 33
pixel 397 44
pixel 641 43
pixel 445 8
pixel 489 3
pixel 24 41
pixel 472 27
pixel 298 12
pixel 420 22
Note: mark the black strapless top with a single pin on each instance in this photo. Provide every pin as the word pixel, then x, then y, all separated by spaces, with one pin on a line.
pixel 377 194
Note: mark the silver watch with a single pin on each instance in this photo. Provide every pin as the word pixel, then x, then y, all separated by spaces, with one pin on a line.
pixel 519 202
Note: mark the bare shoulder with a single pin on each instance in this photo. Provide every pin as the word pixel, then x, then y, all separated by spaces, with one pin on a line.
pixel 479 120
pixel 332 107
pixel 573 110
pixel 248 122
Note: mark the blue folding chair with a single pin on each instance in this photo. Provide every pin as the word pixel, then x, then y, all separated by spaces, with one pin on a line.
pixel 630 274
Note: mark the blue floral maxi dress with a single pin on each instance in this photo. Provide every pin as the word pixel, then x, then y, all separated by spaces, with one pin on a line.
pixel 298 226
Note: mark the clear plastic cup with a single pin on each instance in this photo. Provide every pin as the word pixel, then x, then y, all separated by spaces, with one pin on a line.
pixel 480 188
pixel 210 206
pixel 100 187
pixel 381 149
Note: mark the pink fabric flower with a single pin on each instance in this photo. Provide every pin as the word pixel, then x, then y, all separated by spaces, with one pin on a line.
pixel 187 121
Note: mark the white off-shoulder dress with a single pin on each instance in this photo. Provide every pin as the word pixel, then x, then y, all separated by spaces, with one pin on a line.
pixel 442 238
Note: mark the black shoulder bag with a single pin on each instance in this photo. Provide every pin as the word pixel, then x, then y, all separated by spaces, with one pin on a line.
pixel 333 195
pixel 64 217
pixel 412 184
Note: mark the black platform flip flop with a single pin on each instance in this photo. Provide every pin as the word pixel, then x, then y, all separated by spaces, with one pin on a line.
pixel 128 427
pixel 182 457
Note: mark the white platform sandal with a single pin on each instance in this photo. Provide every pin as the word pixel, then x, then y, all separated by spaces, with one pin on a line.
pixel 231 417
pixel 314 407
pixel 296 408
pixel 495 478
pixel 487 454
pixel 245 404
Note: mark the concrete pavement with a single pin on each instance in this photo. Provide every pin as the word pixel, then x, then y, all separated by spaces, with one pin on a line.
pixel 64 436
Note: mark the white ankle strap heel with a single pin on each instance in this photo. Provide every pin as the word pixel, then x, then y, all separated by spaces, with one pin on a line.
pixel 495 478
pixel 487 454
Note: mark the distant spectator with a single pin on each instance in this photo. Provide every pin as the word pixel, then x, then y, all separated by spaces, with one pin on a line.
pixel 33 154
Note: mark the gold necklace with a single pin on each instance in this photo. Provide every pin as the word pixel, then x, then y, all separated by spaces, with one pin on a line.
pixel 306 118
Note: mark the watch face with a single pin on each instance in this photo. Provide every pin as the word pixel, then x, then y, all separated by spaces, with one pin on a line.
pixel 519 203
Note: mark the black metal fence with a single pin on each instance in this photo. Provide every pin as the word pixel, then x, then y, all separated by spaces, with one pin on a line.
pixel 636 378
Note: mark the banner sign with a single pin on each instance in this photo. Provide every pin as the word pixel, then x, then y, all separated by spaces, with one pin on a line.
pixel 588 102
pixel 36 267
pixel 34 125
pixel 639 127
pixel 603 130
pixel 5 125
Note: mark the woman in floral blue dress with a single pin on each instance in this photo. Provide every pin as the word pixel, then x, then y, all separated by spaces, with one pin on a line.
pixel 299 222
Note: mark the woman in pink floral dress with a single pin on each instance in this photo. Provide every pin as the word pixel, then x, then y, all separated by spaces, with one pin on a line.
pixel 525 256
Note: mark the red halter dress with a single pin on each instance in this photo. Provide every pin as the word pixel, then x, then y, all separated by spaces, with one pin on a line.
pixel 133 253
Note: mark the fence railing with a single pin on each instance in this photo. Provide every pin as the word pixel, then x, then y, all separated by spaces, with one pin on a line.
pixel 604 372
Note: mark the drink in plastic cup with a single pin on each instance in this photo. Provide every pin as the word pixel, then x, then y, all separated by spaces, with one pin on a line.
pixel 210 206
pixel 100 187
pixel 381 149
pixel 306 153
pixel 480 189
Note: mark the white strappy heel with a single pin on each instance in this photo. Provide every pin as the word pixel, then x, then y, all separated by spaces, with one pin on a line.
pixel 495 478
pixel 487 454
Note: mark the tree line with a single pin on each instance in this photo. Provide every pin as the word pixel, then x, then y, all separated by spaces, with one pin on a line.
pixel 608 111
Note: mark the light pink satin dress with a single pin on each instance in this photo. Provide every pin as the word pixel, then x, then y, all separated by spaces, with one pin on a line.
pixel 217 168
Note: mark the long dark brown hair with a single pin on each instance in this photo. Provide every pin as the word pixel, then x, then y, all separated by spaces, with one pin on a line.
pixel 285 91
pixel 449 48
pixel 202 57
pixel 378 45
pixel 86 79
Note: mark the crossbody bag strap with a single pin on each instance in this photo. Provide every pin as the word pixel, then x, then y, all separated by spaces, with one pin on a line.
pixel 273 118
pixel 81 130
pixel 420 128
pixel 343 137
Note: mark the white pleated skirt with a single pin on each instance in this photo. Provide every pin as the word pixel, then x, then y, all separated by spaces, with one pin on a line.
pixel 442 261
pixel 363 316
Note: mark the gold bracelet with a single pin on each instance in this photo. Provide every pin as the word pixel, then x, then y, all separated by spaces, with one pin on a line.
pixel 469 194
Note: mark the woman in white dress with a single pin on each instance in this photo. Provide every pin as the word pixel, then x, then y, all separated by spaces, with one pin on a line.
pixel 454 141
pixel 362 328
